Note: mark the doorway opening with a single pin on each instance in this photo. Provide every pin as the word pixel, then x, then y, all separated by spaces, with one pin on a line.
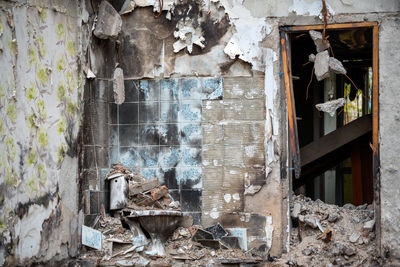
pixel 334 154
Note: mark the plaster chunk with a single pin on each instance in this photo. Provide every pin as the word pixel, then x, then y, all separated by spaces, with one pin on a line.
pixel 252 189
pixel 127 7
pixel 336 66
pixel 311 58
pixel 118 86
pixel 109 22
pixel 321 65
pixel 330 107
pixel 317 38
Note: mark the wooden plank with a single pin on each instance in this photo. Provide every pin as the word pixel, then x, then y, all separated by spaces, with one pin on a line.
pixel 334 140
pixel 298 28
pixel 294 143
pixel 356 176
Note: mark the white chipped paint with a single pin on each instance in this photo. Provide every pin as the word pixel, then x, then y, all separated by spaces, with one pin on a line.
pixel 271 119
pixel 216 163
pixel 250 31
pixel 227 198
pixel 233 172
pixel 269 229
pixel 236 196
pixel 237 91
pixel 303 7
pixel 250 151
pixel 187 36
pixel 245 217
pixel 214 214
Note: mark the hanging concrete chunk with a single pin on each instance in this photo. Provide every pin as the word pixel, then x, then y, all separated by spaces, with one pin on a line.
pixel 118 86
pixel 336 66
pixel 311 58
pixel 321 65
pixel 331 106
pixel 109 22
pixel 317 38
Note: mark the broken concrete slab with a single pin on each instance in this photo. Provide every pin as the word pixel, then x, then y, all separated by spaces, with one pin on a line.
pixel 109 22
pixel 230 241
pixel 91 237
pixel 336 66
pixel 330 107
pixel 252 189
pixel 118 86
pixel 316 36
pixel 321 65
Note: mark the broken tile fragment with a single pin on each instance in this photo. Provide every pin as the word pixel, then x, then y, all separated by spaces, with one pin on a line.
pixel 109 22
pixel 316 36
pixel 336 66
pixel 321 65
pixel 118 86
pixel 202 234
pixel 218 231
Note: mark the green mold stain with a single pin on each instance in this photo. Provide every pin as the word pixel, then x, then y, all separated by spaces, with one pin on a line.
pixel 42 76
pixel 71 48
pixel 60 154
pixel 2 91
pixel 60 30
pixel 41 173
pixel 60 63
pixel 13 47
pixel 70 80
pixel 61 92
pixel 31 92
pixel 32 185
pixel 41 46
pixel 43 139
pixel 12 111
pixel 61 127
pixel 71 108
pixel 10 147
pixel 2 225
pixel 41 109
pixel 2 128
pixel 31 121
pixel 11 177
pixel 32 157
pixel 32 56
pixel 43 14
pixel 1 28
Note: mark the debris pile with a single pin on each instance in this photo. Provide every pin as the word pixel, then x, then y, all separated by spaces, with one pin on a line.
pixel 149 228
pixel 326 235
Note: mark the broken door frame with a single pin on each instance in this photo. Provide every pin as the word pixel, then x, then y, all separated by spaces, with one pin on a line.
pixel 294 142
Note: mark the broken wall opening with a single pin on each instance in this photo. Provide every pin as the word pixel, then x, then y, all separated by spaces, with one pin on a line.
pixel 335 150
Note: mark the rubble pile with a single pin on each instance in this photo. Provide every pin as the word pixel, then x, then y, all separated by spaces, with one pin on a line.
pixel 328 235
pixel 148 229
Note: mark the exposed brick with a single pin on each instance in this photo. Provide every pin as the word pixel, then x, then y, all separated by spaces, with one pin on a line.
pixel 254 109
pixel 233 155
pixel 213 155
pixel 213 110
pixel 233 109
pixel 212 134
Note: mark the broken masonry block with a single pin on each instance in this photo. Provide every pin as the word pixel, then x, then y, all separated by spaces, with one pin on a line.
pixel 296 210
pixel 330 107
pixel 316 36
pixel 118 86
pixel 321 65
pixel 202 235
pixel 109 22
pixel 336 66
pixel 218 231
pixel 159 192
pixel 230 241
pixel 137 188
pixel 369 225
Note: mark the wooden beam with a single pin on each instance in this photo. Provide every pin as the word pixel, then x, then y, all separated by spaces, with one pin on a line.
pixel 334 140
pixel 294 141
pixel 329 26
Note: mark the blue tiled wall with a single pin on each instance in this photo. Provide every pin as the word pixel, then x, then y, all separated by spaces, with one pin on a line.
pixel 157 132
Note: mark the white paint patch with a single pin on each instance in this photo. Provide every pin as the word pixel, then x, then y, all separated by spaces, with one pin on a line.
pixel 187 36
pixel 245 217
pixel 214 214
pixel 271 119
pixel 227 198
pixel 250 31
pixel 233 172
pixel 237 91
pixel 250 151
pixel 269 229
pixel 302 7
pixel 236 196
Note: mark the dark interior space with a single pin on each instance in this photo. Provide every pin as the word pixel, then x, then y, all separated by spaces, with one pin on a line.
pixel 336 158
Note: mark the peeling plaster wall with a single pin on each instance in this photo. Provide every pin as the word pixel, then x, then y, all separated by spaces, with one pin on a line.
pixel 40 109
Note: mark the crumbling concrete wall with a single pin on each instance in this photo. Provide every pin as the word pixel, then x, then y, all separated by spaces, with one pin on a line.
pixel 40 109
pixel 243 134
